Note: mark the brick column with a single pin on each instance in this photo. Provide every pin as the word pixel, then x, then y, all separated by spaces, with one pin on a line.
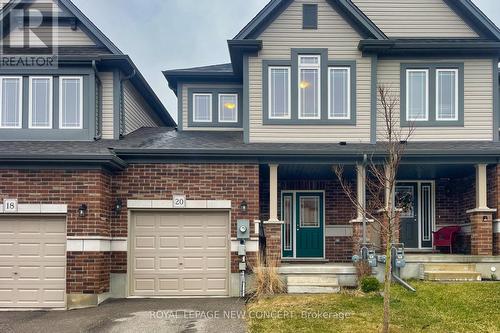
pixel 384 221
pixel 273 239
pixel 496 238
pixel 357 236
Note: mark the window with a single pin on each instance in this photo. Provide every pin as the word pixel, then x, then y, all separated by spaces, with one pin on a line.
pixel 40 102
pixel 310 16
pixel 417 94
pixel 71 103
pixel 279 93
pixel 11 98
pixel 228 108
pixel 447 94
pixel 309 87
pixel 309 212
pixel 287 219
pixel 339 93
pixel 202 107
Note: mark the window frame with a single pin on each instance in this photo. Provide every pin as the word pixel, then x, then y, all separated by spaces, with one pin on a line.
pixel 21 99
pixel 427 97
pixel 320 92
pixel 51 102
pixel 236 109
pixel 456 112
pixel 289 77
pixel 61 80
pixel 331 70
pixel 210 109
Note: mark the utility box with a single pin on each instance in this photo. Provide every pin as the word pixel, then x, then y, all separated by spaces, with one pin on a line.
pixel 243 229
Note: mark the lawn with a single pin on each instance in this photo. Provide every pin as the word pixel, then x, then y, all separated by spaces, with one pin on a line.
pixel 435 307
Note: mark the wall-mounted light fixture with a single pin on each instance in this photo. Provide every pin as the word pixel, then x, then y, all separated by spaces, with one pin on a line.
pixel 118 206
pixel 244 206
pixel 82 210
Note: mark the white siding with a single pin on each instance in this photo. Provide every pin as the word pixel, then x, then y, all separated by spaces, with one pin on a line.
pixel 341 40
pixel 185 105
pixel 107 104
pixel 415 18
pixel 138 113
pixel 478 107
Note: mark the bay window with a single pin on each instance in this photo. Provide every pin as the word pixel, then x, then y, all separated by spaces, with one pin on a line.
pixel 339 93
pixel 446 94
pixel 417 94
pixel 40 102
pixel 228 108
pixel 11 99
pixel 70 102
pixel 309 87
pixel 279 93
pixel 202 108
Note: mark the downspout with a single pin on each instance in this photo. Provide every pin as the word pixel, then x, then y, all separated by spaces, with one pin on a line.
pixel 98 124
pixel 122 102
pixel 365 162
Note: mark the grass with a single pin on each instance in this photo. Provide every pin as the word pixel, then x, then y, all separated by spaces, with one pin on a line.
pixel 435 307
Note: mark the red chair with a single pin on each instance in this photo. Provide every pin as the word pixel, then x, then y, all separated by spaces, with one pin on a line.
pixel 446 237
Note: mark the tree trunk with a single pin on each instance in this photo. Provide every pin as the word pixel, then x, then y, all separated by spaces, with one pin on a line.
pixel 387 286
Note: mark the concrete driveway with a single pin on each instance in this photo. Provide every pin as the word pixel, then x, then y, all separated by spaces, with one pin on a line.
pixel 135 315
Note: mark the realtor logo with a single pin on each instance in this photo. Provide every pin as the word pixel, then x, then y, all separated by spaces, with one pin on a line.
pixel 29 33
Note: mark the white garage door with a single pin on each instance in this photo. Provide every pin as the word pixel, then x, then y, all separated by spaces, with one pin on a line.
pixel 32 262
pixel 180 254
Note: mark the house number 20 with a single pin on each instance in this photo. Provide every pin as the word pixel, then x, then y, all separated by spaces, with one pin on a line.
pixel 179 201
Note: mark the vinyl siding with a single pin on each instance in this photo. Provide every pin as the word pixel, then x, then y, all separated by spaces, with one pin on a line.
pixel 65 36
pixel 107 105
pixel 185 105
pixel 342 40
pixel 138 113
pixel 478 107
pixel 415 18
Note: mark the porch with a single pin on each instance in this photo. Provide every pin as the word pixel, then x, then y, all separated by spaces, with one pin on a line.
pixel 308 219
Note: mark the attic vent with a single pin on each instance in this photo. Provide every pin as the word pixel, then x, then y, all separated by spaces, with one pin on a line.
pixel 310 16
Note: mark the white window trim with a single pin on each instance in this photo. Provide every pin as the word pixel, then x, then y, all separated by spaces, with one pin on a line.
pixel 61 78
pixel 236 109
pixel 330 72
pixel 456 93
pixel 51 104
pixel 309 66
pixel 426 71
pixel 20 78
pixel 194 108
pixel 289 113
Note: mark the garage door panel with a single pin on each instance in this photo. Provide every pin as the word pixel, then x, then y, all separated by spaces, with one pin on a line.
pixel 145 263
pixel 143 242
pixel 191 254
pixel 35 249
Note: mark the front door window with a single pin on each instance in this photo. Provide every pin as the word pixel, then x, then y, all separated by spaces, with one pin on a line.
pixel 309 212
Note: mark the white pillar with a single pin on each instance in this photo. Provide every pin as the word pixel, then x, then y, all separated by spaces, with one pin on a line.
pixel 273 193
pixel 481 187
pixel 361 190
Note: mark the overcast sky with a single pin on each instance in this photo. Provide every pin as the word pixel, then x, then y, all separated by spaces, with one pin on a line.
pixel 170 34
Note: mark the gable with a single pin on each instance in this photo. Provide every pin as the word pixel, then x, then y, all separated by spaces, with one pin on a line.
pixel 416 18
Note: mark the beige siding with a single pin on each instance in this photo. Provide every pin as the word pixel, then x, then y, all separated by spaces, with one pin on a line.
pixel 107 104
pixel 415 18
pixel 64 36
pixel 341 40
pixel 185 105
pixel 138 113
pixel 478 107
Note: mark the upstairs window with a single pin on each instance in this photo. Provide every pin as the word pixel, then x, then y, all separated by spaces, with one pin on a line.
pixel 71 103
pixel 309 87
pixel 40 102
pixel 339 93
pixel 310 16
pixel 447 94
pixel 228 108
pixel 417 94
pixel 11 98
pixel 279 93
pixel 202 107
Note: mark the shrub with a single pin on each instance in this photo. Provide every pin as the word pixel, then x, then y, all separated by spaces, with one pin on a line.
pixel 266 278
pixel 370 284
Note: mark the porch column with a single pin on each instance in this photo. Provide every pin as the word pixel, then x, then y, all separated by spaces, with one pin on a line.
pixel 359 225
pixel 481 217
pixel 272 227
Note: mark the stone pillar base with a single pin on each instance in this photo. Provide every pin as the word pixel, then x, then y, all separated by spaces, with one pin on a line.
pixel 482 231
pixel 357 234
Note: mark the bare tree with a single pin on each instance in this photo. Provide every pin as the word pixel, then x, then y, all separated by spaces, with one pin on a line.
pixel 382 167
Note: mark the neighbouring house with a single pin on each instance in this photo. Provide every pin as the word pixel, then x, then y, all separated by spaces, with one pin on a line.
pixel 105 196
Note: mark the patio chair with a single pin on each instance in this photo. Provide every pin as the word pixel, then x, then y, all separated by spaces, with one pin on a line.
pixel 446 237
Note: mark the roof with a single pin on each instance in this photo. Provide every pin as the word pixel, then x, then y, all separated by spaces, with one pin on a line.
pixel 164 145
pixel 221 68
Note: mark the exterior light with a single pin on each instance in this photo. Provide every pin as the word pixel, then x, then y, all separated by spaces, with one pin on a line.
pixel 244 206
pixel 304 84
pixel 118 206
pixel 82 210
pixel 230 106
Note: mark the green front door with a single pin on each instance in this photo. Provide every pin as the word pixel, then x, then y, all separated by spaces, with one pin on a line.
pixel 309 225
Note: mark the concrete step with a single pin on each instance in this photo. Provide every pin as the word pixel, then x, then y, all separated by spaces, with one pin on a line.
pixel 451 276
pixel 321 269
pixel 436 267
pixel 312 284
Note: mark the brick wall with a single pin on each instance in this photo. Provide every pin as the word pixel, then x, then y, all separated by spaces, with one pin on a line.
pixel 87 272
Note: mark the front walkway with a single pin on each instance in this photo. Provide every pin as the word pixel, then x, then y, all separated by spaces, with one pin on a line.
pixel 134 315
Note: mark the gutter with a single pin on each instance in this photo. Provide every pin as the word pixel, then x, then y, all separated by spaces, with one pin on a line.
pixel 111 162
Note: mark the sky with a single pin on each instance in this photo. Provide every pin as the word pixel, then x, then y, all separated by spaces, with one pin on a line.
pixel 171 34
